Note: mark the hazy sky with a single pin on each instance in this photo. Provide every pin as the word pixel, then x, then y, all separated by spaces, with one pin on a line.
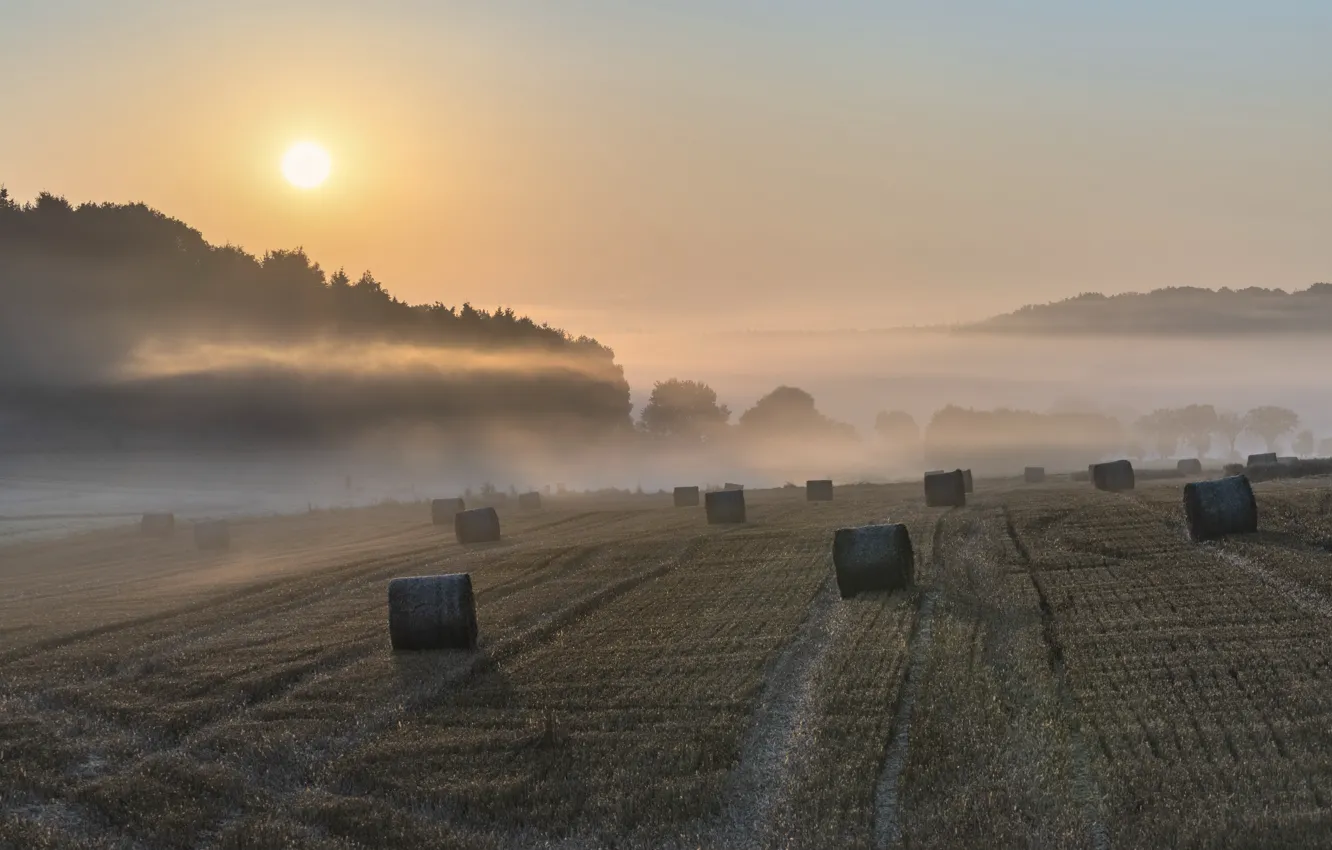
pixel 616 166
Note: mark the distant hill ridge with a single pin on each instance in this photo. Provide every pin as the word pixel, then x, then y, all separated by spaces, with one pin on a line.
pixel 1175 310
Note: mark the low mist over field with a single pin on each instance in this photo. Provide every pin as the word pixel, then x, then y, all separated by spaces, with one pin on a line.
pixel 137 352
pixel 854 374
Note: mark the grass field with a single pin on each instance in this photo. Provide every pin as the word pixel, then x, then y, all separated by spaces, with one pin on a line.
pixel 1070 671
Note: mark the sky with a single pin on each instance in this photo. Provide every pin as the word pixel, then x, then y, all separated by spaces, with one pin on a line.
pixel 616 168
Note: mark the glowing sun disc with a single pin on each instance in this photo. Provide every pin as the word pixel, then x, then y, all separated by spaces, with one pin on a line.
pixel 306 165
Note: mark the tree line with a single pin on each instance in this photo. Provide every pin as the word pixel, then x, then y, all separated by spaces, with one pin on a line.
pixel 689 411
pixel 82 287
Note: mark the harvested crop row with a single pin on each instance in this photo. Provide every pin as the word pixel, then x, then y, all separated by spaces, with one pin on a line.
pixel 1193 681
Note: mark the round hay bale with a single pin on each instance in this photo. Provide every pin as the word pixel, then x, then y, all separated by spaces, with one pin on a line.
pixel 873 557
pixel 729 486
pixel 530 501
pixel 158 525
pixel 725 506
pixel 1033 474
pixel 819 490
pixel 479 525
pixel 432 612
pixel 1189 466
pixel 443 510
pixel 945 489
pixel 214 535
pixel 1216 508
pixel 966 480
pixel 1263 458
pixel 1113 476
pixel 686 497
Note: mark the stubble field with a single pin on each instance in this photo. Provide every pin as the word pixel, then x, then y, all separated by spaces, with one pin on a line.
pixel 1070 671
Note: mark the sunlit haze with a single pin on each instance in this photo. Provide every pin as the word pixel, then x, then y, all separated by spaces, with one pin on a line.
pixel 611 166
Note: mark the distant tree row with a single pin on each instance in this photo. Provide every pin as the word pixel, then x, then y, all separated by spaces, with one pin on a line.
pixel 1164 431
pixel 688 412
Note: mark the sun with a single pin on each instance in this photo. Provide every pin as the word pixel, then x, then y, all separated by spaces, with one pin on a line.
pixel 306 165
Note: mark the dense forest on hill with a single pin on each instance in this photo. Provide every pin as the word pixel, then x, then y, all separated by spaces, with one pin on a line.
pixel 118 319
pixel 1175 310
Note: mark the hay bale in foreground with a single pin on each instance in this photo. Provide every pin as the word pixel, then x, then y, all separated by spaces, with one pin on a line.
pixel 1217 508
pixel 686 497
pixel 1189 466
pixel 530 501
pixel 945 489
pixel 212 535
pixel 730 486
pixel 1033 474
pixel 819 490
pixel 479 525
pixel 873 557
pixel 725 506
pixel 1113 476
pixel 442 511
pixel 432 612
pixel 158 525
pixel 1260 459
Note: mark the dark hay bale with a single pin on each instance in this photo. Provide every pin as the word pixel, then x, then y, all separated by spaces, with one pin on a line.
pixel 530 501
pixel 1260 459
pixel 158 525
pixel 443 510
pixel 945 489
pixel 1288 460
pixel 1216 508
pixel 686 497
pixel 730 486
pixel 212 535
pixel 1114 476
pixel 873 557
pixel 966 480
pixel 1189 466
pixel 725 506
pixel 1033 474
pixel 1233 468
pixel 432 612
pixel 479 525
pixel 819 490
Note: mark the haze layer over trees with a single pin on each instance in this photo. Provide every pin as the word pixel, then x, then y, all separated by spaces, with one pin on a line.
pixel 120 320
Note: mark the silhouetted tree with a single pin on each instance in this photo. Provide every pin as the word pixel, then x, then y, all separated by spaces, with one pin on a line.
pixel 1230 426
pixel 790 411
pixel 1270 423
pixel 683 410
